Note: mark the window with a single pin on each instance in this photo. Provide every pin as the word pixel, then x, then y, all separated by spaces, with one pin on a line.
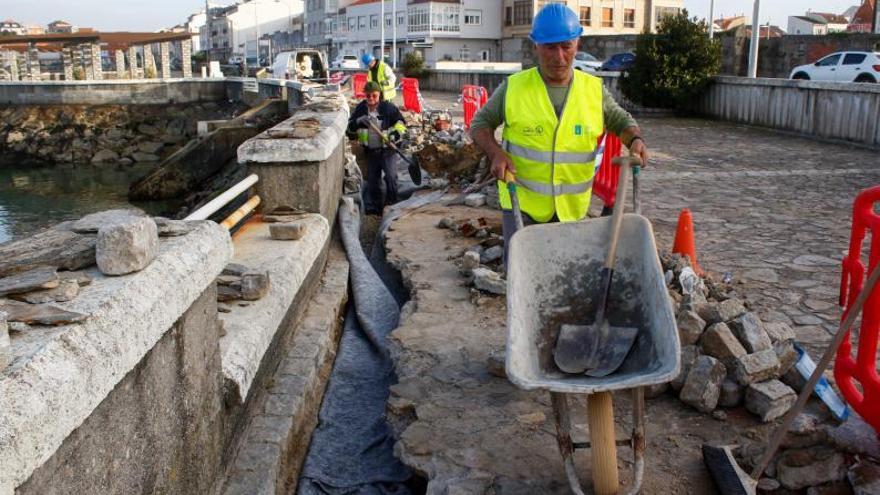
pixel 362 22
pixel 387 20
pixel 374 21
pixel 401 18
pixel 629 18
pixel 473 17
pixel 508 16
pixel 445 18
pixel 607 17
pixel 586 14
pixel 522 12
pixel 854 58
pixel 661 12
pixel 829 61
pixel 418 19
pixel 352 23
pixel 464 54
pixel 484 55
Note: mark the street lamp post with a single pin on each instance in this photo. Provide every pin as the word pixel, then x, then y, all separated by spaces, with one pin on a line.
pixel 382 31
pixel 756 37
pixel 711 19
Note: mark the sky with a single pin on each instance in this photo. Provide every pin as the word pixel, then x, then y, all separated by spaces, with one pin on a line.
pixel 151 15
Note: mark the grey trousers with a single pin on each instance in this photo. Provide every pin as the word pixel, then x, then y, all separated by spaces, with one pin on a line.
pixel 508 227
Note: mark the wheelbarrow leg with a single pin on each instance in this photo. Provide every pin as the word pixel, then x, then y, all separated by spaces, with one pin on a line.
pixel 563 439
pixel 638 439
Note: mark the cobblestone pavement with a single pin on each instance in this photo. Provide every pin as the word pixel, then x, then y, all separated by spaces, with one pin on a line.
pixel 772 209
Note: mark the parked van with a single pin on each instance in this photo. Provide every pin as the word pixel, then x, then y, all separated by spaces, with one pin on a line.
pixel 300 64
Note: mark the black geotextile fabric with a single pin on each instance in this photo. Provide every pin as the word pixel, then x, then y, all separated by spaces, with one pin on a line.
pixel 351 451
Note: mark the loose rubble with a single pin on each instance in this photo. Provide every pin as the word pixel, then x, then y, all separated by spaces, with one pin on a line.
pixel 128 246
pixel 238 282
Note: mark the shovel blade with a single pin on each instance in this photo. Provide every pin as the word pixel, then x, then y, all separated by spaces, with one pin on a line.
pixel 415 170
pixel 576 348
pixel 613 347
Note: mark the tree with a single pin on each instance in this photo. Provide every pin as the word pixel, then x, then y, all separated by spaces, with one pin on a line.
pixel 413 65
pixel 674 66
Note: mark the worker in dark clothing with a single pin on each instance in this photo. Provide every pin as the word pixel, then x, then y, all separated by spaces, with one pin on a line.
pixel 385 116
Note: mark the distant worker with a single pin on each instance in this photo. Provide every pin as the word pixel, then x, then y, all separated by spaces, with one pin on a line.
pixel 371 114
pixel 379 72
pixel 553 116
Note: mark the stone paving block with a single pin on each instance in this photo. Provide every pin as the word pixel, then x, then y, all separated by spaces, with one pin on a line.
pixel 690 327
pixel 719 342
pixel 756 367
pixel 778 331
pixel 750 332
pixel 128 246
pixel 720 312
pixel 786 354
pixel 770 399
pixel 703 384
pixel 801 468
pixel 288 231
pixel 689 354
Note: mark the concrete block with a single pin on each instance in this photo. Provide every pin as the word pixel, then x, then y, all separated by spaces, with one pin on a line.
pixel 689 354
pixel 690 327
pixel 756 367
pixel 703 384
pixel 770 399
pixel 750 332
pixel 719 342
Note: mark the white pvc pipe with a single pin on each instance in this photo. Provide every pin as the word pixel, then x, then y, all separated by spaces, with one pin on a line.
pixel 220 201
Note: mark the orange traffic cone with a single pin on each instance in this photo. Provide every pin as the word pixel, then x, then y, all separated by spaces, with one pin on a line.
pixel 684 239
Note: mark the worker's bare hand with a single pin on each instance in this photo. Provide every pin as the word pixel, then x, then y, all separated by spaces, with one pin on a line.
pixel 640 150
pixel 501 164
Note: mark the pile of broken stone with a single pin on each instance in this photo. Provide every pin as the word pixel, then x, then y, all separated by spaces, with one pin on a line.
pixel 481 263
pixel 731 358
pixel 51 266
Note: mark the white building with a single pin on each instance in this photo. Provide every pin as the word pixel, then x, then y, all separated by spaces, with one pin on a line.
pixel 234 30
pixel 11 27
pixel 801 24
pixel 456 30
pixel 598 17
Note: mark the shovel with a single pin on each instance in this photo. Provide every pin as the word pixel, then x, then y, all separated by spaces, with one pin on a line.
pixel 599 349
pixel 415 171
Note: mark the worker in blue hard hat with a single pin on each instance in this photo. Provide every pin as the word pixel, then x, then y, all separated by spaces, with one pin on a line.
pixel 382 74
pixel 553 117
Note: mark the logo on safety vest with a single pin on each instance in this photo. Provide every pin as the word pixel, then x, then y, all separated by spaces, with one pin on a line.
pixel 578 130
pixel 533 131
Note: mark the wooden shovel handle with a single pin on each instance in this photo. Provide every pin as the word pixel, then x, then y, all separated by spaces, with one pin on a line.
pixel 617 214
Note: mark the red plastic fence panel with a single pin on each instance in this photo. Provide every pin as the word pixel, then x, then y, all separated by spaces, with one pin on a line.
pixel 472 99
pixel 358 81
pixel 411 100
pixel 857 377
pixel 605 180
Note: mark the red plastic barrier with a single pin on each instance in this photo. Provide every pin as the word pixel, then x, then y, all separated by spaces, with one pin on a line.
pixel 472 99
pixel 358 81
pixel 605 180
pixel 411 100
pixel 861 372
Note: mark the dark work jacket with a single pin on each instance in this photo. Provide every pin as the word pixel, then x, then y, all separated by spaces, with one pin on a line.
pixel 388 116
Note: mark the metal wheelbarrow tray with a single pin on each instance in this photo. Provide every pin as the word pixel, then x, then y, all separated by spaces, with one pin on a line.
pixel 553 278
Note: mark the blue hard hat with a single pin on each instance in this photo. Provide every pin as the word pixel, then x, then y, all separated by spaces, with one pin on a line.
pixel 367 58
pixel 555 23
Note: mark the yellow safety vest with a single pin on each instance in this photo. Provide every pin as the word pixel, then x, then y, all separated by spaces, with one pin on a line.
pixel 554 157
pixel 388 91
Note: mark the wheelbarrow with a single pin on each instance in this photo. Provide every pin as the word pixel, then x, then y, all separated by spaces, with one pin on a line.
pixel 553 279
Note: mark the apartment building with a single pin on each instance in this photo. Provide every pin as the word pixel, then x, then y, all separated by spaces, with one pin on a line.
pixel 234 31
pixel 459 30
pixel 598 17
pixel 320 21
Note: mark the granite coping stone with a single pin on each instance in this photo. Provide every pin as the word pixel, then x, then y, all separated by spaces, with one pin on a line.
pixel 251 329
pixel 60 375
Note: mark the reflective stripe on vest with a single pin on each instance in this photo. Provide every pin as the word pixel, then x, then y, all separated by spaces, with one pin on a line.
pixel 554 156
pixel 388 92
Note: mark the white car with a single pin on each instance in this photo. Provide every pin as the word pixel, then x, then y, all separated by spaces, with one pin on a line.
pixel 346 62
pixel 860 67
pixel 586 62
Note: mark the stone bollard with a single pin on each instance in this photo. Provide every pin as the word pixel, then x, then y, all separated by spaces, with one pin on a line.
pixel 5 346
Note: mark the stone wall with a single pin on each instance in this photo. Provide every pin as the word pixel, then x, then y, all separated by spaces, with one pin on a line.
pixel 170 403
pixel 778 56
pixel 112 92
